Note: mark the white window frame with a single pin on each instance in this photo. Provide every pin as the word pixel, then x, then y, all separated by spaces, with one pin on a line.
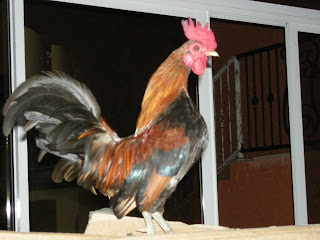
pixel 20 148
pixel 292 19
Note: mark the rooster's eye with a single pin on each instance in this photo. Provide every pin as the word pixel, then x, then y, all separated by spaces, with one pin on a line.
pixel 196 48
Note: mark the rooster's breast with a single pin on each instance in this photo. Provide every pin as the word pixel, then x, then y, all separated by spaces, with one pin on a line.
pixel 177 139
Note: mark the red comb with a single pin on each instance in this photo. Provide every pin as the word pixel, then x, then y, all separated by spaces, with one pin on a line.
pixel 196 33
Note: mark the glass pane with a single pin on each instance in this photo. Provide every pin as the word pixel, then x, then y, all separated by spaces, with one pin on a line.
pixel 309 56
pixel 114 53
pixel 6 187
pixel 252 132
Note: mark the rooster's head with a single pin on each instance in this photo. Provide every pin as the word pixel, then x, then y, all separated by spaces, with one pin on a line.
pixel 202 45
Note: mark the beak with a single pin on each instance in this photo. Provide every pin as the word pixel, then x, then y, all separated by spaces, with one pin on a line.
pixel 212 54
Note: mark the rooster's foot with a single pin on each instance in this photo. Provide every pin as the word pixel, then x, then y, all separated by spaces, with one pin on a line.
pixel 149 224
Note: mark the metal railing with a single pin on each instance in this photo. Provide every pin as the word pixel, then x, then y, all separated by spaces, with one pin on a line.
pixel 230 73
pixel 266 107
pixel 251 104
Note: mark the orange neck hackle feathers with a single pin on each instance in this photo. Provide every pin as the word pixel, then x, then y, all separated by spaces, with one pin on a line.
pixel 163 88
pixel 172 76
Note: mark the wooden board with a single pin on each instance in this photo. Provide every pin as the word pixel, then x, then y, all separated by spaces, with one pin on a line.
pixel 106 226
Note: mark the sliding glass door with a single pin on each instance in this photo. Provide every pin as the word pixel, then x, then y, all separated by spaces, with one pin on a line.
pixel 114 52
pixel 309 59
pixel 83 39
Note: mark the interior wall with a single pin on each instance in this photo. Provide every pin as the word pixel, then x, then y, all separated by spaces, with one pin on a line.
pixel 234 38
pixel 258 194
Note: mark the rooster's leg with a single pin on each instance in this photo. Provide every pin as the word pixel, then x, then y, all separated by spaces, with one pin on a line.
pixel 162 222
pixel 148 220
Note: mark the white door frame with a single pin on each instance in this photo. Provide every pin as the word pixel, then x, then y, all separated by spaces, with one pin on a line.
pixel 291 18
pixel 296 127
pixel 20 148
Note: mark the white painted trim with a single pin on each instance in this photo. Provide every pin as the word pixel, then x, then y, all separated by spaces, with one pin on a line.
pixel 155 7
pixel 209 162
pixel 20 149
pixel 237 10
pixel 296 127
pixel 308 28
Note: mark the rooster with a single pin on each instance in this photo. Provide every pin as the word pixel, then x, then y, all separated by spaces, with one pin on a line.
pixel 139 171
